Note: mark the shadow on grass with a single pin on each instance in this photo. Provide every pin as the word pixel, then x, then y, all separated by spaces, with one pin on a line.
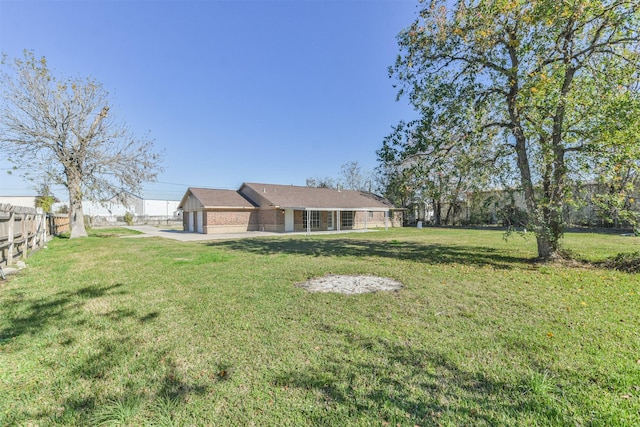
pixel 154 404
pixel 371 378
pixel 111 359
pixel 403 250
pixel 165 390
pixel 27 316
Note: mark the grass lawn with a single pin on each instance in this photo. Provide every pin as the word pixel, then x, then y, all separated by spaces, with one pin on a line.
pixel 120 331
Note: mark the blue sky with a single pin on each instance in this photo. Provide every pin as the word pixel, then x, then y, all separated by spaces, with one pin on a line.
pixel 232 91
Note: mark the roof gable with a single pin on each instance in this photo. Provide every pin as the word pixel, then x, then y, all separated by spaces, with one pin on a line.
pixel 215 198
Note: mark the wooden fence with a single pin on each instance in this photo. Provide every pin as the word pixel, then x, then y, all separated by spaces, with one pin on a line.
pixel 22 230
pixel 58 224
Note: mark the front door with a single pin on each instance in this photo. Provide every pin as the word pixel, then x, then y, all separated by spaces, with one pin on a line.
pixel 288 220
pixel 330 220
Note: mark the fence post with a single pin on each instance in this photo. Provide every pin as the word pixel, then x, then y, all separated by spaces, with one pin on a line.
pixel 25 235
pixel 34 231
pixel 10 237
pixel 42 227
pixel 37 221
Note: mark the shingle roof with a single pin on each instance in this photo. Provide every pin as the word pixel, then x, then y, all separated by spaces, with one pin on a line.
pixel 291 196
pixel 210 197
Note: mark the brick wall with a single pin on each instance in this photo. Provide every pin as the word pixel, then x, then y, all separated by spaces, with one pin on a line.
pixel 221 221
pixel 227 221
pixel 271 220
pixel 373 220
pixel 244 218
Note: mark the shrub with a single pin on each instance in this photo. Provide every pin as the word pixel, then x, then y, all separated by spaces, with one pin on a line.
pixel 628 262
pixel 128 218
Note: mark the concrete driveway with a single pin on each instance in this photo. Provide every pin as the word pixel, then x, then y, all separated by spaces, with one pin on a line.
pixel 186 236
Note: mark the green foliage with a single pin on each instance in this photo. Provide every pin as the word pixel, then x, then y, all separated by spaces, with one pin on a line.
pixel 435 161
pixel 128 218
pixel 550 87
pixel 45 202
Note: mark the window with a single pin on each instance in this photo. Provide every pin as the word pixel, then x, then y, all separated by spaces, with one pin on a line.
pixel 346 219
pixel 313 217
pixel 370 214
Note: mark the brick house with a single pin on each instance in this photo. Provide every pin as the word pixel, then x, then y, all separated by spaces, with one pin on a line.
pixel 284 208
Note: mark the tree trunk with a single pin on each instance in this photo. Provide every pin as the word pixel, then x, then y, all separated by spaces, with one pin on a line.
pixel 545 247
pixel 76 216
pixel 548 235
pixel 447 217
pixel 437 212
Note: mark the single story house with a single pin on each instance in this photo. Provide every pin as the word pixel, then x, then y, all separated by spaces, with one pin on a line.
pixel 284 208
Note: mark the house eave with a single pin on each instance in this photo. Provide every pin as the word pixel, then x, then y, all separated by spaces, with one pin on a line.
pixel 229 207
pixel 332 209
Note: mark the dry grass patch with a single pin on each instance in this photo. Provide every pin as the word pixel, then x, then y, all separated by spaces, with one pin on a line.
pixel 347 284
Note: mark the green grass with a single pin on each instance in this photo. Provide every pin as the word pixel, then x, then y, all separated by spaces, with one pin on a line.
pixel 113 232
pixel 111 331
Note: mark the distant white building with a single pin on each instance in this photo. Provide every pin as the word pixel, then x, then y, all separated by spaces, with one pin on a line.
pixel 109 208
pixel 155 207
pixel 136 205
pixel 27 201
pixel 112 212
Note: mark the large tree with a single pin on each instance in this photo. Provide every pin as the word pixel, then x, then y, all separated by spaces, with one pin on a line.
pixel 544 76
pixel 62 131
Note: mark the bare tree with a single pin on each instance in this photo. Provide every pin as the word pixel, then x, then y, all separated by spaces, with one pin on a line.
pixel 62 131
pixel 326 182
pixel 352 177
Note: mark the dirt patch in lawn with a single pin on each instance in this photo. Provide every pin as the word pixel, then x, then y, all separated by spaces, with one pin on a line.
pixel 350 284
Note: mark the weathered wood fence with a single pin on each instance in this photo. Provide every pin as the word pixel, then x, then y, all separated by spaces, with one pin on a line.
pixel 22 230
pixel 58 224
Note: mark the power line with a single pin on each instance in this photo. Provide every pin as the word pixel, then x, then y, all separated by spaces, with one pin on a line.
pixel 188 185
